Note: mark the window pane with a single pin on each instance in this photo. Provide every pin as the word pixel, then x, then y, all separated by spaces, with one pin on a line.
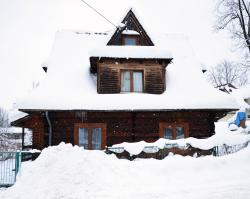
pixel 125 87
pixel 137 81
pixel 168 133
pixel 96 138
pixel 83 137
pixel 130 41
pixel 179 132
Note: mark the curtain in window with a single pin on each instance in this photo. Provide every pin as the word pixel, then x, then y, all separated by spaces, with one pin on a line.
pixel 96 138
pixel 137 81
pixel 125 87
pixel 168 133
pixel 179 132
pixel 83 137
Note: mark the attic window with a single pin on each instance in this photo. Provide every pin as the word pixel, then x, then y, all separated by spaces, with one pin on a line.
pixel 130 37
pixel 129 41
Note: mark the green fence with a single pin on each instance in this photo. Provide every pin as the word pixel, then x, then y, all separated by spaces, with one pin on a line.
pixel 10 163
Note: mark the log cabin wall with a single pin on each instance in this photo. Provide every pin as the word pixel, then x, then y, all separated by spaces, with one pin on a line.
pixel 121 126
pixel 37 124
pixel 109 75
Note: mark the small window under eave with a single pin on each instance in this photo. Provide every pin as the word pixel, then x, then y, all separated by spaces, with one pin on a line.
pixel 130 38
pixel 132 29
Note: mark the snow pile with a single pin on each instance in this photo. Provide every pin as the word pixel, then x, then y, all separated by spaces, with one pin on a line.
pixel 73 173
pixel 224 137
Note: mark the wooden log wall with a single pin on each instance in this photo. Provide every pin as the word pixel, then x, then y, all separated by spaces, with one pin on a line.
pixel 37 124
pixel 109 75
pixel 121 126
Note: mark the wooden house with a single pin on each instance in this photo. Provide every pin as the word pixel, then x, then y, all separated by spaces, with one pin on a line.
pixel 125 86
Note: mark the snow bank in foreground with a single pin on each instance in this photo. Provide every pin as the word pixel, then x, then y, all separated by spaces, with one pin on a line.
pixel 70 172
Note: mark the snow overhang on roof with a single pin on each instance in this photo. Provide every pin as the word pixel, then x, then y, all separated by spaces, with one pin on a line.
pixel 130 32
pixel 131 52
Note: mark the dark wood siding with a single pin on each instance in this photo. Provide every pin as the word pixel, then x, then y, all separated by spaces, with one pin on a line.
pixel 155 80
pixel 36 123
pixel 108 80
pixel 121 126
pixel 109 75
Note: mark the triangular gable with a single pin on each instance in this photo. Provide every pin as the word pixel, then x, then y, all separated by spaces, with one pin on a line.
pixel 131 23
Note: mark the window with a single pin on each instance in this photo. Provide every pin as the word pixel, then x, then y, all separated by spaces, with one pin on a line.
pixel 132 81
pixel 130 41
pixel 90 135
pixel 168 132
pixel 173 131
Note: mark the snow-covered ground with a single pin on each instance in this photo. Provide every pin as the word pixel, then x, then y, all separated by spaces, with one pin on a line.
pixel 70 172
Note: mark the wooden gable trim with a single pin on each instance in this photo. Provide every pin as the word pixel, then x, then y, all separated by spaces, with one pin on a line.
pixel 132 23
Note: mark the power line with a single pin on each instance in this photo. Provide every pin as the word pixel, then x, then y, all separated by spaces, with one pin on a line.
pixel 98 13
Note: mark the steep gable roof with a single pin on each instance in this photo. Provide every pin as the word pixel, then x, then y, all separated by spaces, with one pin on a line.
pixel 131 23
pixel 69 85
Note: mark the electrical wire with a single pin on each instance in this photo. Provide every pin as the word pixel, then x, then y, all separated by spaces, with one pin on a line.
pixel 98 13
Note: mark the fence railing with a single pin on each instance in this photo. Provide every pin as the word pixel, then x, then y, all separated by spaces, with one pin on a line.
pixel 10 164
pixel 157 153
pixel 225 149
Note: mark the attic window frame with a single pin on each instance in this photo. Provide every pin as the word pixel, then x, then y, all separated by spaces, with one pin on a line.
pixel 131 80
pixel 136 37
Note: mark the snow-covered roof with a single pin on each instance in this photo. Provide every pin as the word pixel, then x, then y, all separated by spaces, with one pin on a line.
pixel 69 84
pixel 14 130
pixel 245 91
pixel 148 52
pixel 241 94
pixel 16 115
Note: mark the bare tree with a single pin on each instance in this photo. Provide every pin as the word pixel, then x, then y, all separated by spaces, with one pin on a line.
pixel 3 118
pixel 227 73
pixel 235 16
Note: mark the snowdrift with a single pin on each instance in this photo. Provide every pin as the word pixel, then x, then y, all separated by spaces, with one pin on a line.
pixel 70 172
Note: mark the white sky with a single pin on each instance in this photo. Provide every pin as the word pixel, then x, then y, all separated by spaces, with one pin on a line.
pixel 27 29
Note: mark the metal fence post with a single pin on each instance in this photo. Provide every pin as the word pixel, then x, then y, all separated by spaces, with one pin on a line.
pixel 18 162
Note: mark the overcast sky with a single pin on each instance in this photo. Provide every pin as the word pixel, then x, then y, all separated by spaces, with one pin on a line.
pixel 27 29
